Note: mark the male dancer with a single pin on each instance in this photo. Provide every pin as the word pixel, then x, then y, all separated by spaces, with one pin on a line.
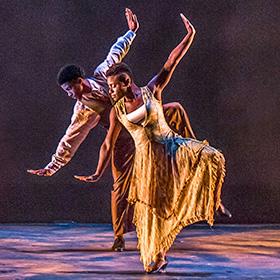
pixel 92 107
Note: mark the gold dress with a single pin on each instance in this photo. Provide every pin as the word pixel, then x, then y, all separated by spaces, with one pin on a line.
pixel 175 181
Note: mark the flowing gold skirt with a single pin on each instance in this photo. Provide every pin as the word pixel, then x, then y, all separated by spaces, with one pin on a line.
pixel 174 184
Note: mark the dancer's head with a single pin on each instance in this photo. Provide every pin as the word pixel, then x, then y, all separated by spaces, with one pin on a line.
pixel 119 78
pixel 70 77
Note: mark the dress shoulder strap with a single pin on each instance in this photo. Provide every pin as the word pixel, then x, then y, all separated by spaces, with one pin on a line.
pixel 146 92
pixel 120 107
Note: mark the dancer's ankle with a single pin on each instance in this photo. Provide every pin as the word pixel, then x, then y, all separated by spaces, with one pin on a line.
pixel 120 236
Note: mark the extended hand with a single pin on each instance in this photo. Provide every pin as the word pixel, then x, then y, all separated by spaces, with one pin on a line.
pixel 90 178
pixel 40 172
pixel 132 21
pixel 187 24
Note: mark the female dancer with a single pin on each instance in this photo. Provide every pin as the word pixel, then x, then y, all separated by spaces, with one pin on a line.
pixel 175 181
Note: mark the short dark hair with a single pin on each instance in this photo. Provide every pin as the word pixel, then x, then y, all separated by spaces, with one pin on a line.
pixel 69 72
pixel 119 68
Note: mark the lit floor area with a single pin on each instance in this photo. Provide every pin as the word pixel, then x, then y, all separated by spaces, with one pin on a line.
pixel 82 251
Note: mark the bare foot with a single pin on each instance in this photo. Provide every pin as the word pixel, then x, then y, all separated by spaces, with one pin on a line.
pixel 223 211
pixel 158 267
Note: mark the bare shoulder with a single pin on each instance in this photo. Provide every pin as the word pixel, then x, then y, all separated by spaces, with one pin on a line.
pixel 154 88
pixel 113 114
pixel 114 120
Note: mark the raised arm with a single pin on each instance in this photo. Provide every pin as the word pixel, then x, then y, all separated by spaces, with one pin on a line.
pixel 159 82
pixel 105 150
pixel 119 50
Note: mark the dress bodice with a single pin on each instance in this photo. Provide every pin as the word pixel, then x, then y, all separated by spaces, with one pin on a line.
pixel 153 128
pixel 138 115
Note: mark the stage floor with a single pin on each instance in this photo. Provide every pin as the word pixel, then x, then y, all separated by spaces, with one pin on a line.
pixel 82 251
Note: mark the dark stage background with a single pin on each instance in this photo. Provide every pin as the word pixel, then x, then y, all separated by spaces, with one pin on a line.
pixel 228 82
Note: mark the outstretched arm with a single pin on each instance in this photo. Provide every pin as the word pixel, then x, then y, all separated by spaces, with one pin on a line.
pixel 120 49
pixel 159 82
pixel 82 121
pixel 105 150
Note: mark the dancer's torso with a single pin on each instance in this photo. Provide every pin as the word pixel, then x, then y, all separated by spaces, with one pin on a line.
pixel 153 127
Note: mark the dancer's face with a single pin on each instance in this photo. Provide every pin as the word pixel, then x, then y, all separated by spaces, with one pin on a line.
pixel 118 85
pixel 74 88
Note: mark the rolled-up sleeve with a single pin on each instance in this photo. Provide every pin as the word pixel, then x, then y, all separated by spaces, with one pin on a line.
pixel 116 54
